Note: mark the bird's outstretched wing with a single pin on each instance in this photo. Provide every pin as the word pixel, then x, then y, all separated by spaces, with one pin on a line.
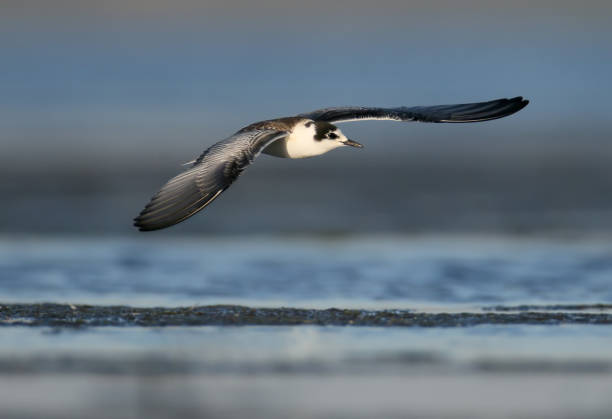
pixel 467 112
pixel 212 173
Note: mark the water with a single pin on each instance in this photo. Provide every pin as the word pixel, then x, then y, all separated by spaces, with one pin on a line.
pixel 349 272
pixel 308 372
pixel 546 366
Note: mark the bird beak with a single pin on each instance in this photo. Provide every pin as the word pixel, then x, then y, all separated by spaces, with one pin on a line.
pixel 352 143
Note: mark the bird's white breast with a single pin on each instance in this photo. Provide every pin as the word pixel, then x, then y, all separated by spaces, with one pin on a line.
pixel 300 143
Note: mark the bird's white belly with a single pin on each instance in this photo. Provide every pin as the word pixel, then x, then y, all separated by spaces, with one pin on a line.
pixel 295 149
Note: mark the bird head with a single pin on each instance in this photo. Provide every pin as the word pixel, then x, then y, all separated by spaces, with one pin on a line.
pixel 330 135
pixel 312 138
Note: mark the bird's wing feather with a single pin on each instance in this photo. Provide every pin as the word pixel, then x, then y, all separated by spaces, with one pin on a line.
pixel 467 112
pixel 213 172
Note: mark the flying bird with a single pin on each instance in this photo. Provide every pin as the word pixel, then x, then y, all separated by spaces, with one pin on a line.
pixel 304 135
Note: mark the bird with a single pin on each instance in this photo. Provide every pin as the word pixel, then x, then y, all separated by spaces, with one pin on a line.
pixel 304 135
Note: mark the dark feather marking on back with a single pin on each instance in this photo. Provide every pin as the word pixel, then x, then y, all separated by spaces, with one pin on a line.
pixel 280 124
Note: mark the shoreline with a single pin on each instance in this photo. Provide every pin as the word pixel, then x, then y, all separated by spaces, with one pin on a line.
pixel 77 316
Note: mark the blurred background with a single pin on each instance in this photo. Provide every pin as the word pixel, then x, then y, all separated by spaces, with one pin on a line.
pixel 101 102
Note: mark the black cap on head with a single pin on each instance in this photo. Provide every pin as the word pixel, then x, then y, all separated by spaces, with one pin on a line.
pixel 322 129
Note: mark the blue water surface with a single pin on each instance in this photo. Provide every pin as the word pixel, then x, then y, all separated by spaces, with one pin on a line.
pixel 359 271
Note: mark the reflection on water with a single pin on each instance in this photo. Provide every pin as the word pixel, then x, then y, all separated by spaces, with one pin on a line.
pixel 307 372
pixel 330 349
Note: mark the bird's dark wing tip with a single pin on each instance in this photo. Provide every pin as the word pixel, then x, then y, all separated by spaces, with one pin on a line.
pixel 520 103
pixel 138 223
pixel 144 223
pixel 473 112
pixel 520 99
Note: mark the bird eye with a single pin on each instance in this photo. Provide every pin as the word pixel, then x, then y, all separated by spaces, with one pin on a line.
pixel 333 136
pixel 308 124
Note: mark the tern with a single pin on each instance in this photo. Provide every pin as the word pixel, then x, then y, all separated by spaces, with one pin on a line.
pixel 304 135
